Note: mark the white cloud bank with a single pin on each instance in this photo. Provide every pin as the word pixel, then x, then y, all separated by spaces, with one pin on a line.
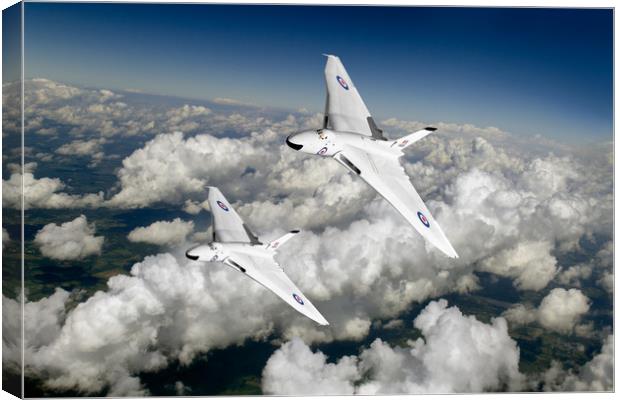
pixel 82 147
pixel 41 325
pixel 559 311
pixel 91 148
pixel 170 168
pixel 507 210
pixel 72 240
pixel 164 310
pixel 44 193
pixel 482 195
pixel 163 233
pixel 457 354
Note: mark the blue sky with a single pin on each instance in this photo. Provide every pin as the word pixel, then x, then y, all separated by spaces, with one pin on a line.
pixel 11 43
pixel 528 71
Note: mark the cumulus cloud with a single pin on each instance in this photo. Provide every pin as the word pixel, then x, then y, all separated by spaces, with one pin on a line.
pixel 603 267
pixel 5 237
pixel 81 147
pixel 44 193
pixel 607 281
pixel 295 370
pixel 559 311
pixel 596 375
pixel 170 168
pixel 598 268
pixel 11 334
pixel 394 324
pixel 91 148
pixel 72 240
pixel 42 322
pixel 162 233
pixel 230 102
pixel 530 264
pixel 175 167
pixel 186 118
pixel 17 168
pixel 456 354
pixel 521 314
pixel 85 111
pixel 467 129
pixel 181 389
pixel 573 275
pixel 194 208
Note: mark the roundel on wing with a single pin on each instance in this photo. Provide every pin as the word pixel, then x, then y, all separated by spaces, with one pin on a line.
pixel 342 82
pixel 423 219
pixel 298 299
pixel 222 205
pixel 322 151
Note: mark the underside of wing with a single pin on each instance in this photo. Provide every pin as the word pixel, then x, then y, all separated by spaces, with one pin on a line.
pixel 227 224
pixel 385 174
pixel 344 109
pixel 268 273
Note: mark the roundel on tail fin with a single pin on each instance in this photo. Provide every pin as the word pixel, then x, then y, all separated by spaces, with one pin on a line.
pixel 222 205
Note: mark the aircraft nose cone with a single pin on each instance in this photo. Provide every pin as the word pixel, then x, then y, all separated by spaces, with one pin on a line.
pixel 292 145
pixel 189 255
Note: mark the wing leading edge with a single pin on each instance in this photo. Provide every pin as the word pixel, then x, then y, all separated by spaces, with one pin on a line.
pixel 268 273
pixel 385 174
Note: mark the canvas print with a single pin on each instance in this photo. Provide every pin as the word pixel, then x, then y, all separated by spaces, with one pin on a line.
pixel 236 199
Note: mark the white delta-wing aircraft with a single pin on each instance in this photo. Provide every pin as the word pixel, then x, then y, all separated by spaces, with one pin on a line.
pixel 350 136
pixel 236 246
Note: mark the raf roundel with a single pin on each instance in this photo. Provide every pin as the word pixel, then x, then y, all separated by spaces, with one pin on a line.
pixel 322 151
pixel 298 299
pixel 342 82
pixel 423 219
pixel 222 206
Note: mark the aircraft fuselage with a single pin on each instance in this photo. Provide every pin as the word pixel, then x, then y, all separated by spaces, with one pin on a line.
pixel 219 252
pixel 328 143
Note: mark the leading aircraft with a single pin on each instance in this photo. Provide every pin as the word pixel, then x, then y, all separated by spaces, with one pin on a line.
pixel 351 137
pixel 236 246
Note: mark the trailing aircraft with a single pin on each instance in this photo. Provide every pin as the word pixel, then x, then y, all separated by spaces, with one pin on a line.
pixel 236 246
